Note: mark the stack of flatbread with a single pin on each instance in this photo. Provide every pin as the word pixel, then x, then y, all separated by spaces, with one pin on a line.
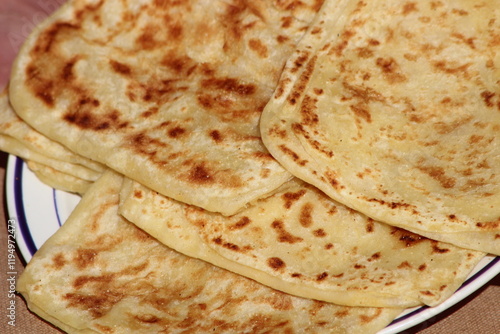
pixel 258 166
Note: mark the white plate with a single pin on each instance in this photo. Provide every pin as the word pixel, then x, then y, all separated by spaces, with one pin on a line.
pixel 40 210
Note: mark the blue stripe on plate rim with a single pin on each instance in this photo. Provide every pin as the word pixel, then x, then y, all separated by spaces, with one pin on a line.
pixel 19 207
pixel 28 239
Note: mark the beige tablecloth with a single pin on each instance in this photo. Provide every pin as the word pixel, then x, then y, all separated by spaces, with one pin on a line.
pixel 477 314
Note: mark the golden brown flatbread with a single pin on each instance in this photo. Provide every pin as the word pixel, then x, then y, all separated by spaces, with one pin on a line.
pixel 392 108
pixel 18 138
pixel 101 274
pixel 168 93
pixel 303 243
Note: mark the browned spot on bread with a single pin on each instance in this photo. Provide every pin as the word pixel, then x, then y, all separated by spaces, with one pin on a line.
pixel 316 30
pixel 366 319
pixel 264 156
pixel 120 68
pixel 452 69
pixel 104 329
pixel 176 132
pixel 281 87
pixel 291 197
pixel 322 276
pixel 201 174
pixel 283 234
pixel 230 85
pixel 460 12
pixel 175 31
pixel 427 293
pixel 300 61
pixel 228 245
pixel 405 264
pixel 320 233
pixel 391 70
pixel 487 97
pixel 244 221
pixel 492 225
pixel 83 114
pixel 370 225
pixel 365 52
pixel 42 88
pixel 259 47
pixel 439 175
pixel 305 217
pixel 147 39
pixel 286 21
pixel 362 93
pixel 294 156
pixel 342 43
pixel 216 136
pixel 150 112
pixel 280 301
pixel 331 176
pixel 469 41
pixel 362 111
pixel 308 111
pixel 375 256
pixel 392 205
pixel 96 305
pixel 475 139
pixel 301 83
pixel 318 91
pixel 67 70
pixel 409 7
pixel 342 314
pixel 84 258
pixel 408 238
pixel 276 131
pixel 276 263
pixel 179 64
pixel 437 249
pixel 144 144
pixel 422 267
pixel 212 102
pixel 259 321
pixel 282 39
pixel 59 261
pixel 102 280
pixel 299 129
pixel 138 193
pixel 48 37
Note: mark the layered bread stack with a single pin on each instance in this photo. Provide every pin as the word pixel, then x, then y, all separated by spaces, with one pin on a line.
pixel 258 166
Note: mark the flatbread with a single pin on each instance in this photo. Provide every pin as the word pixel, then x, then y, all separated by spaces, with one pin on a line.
pixel 101 274
pixel 303 243
pixel 18 138
pixel 168 93
pixel 392 108
pixel 57 179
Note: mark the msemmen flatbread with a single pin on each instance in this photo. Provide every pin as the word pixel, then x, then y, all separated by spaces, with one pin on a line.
pixel 393 109
pixel 86 279
pixel 168 93
pixel 18 138
pixel 301 242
